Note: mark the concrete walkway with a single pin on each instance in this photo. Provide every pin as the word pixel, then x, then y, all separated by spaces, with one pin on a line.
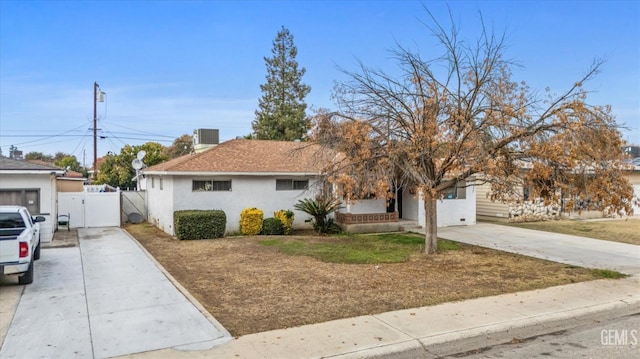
pixel 101 299
pixel 562 248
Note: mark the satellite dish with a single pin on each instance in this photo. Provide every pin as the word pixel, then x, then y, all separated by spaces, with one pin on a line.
pixel 141 154
pixel 135 218
pixel 137 163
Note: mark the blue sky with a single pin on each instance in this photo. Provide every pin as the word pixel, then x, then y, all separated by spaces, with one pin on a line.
pixel 169 67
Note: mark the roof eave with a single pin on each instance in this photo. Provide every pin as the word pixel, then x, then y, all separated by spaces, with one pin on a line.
pixel 32 172
pixel 206 173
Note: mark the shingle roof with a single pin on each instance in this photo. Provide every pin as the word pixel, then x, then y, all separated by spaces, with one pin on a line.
pixel 67 174
pixel 250 156
pixel 14 165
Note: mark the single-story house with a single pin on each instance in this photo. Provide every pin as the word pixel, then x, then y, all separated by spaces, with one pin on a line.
pixel 34 186
pixel 274 175
pixel 232 176
pixel 634 178
pixel 495 209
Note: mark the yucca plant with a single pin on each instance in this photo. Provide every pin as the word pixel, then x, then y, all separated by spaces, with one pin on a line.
pixel 319 209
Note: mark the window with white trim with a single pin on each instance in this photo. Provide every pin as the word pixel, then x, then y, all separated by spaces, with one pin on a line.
pixel 291 184
pixel 211 185
pixel 458 191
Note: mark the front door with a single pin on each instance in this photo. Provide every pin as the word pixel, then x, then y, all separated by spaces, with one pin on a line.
pixel 392 203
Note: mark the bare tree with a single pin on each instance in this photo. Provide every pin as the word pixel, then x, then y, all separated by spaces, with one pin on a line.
pixel 460 114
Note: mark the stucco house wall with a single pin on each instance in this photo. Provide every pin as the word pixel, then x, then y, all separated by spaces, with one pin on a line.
pixel 451 212
pixel 246 191
pixel 252 166
pixel 410 203
pixel 160 202
pixel 46 183
pixel 365 206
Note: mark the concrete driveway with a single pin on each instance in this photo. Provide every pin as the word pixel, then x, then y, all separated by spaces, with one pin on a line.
pixel 101 299
pixel 562 248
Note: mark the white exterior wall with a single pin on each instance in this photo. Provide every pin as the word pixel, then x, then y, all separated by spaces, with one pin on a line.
pixel 246 191
pixel 366 206
pixel 160 202
pixel 410 206
pixel 452 211
pixel 48 195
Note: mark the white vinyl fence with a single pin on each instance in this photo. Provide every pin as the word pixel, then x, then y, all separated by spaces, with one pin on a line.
pixel 90 209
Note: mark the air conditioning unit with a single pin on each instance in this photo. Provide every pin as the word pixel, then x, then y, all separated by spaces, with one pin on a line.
pixel 204 139
pixel 205 136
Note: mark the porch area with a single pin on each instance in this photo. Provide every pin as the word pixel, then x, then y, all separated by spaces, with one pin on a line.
pixel 373 222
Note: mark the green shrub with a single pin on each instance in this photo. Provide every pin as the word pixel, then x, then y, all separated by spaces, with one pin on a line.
pixel 272 226
pixel 251 221
pixel 199 224
pixel 319 209
pixel 286 217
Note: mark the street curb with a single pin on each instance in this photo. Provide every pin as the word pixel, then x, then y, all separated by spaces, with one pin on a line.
pixel 476 339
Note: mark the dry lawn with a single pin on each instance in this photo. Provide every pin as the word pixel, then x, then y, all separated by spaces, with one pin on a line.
pixel 619 230
pixel 251 288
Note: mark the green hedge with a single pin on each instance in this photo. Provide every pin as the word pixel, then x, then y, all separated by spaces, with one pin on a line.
pixel 199 224
pixel 272 226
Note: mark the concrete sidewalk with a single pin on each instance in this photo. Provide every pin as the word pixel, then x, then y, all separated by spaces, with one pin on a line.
pixel 102 299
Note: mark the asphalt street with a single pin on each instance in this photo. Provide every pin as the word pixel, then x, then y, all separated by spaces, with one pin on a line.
pixel 616 338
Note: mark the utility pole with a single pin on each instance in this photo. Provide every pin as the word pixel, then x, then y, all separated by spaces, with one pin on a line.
pixel 98 96
pixel 95 130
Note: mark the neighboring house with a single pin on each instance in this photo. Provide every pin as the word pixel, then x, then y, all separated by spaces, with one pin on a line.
pixel 31 185
pixel 634 178
pixel 232 176
pixel 487 208
pixel 71 181
pixel 68 181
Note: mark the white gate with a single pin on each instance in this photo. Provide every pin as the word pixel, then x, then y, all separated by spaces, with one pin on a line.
pixel 90 209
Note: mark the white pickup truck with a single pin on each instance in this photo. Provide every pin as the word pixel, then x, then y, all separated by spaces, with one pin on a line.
pixel 19 242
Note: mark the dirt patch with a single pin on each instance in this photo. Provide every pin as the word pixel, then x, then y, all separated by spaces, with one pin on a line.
pixel 252 288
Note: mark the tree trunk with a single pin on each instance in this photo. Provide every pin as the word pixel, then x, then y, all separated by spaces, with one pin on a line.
pixel 430 224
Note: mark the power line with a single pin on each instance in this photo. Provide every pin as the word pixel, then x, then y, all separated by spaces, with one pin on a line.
pixel 62 134
pixel 139 131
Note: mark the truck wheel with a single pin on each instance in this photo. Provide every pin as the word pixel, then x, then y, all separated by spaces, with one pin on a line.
pixel 27 277
pixel 36 253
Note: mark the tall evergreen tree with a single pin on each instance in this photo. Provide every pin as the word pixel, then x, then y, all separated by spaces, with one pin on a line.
pixel 281 114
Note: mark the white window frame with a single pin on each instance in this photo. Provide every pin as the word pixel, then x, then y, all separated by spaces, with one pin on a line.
pixel 217 185
pixel 290 184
